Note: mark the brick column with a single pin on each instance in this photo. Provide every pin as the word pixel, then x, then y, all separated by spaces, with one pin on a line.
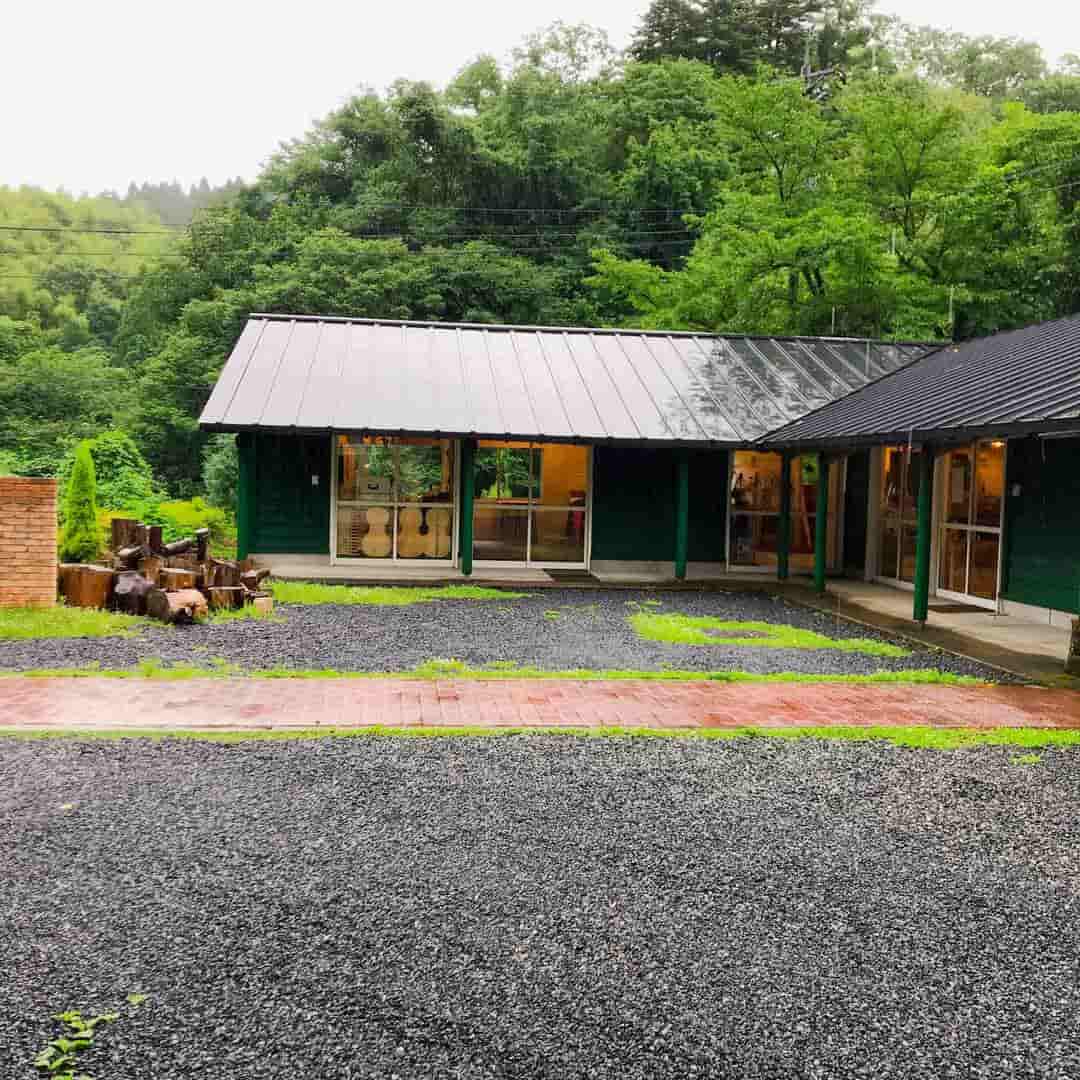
pixel 27 541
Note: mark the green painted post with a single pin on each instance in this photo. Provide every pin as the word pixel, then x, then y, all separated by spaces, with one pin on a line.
pixel 682 515
pixel 783 540
pixel 821 523
pixel 468 449
pixel 922 535
pixel 245 494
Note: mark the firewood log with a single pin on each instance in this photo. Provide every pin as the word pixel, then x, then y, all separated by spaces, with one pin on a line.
pixel 226 597
pixel 86 585
pixel 226 573
pixel 142 534
pixel 129 557
pixel 156 539
pixel 150 567
pixel 202 544
pixel 185 606
pixel 130 591
pixel 178 547
pixel 123 533
pixel 173 579
pixel 253 579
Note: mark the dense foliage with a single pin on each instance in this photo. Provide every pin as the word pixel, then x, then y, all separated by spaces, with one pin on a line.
pixel 909 183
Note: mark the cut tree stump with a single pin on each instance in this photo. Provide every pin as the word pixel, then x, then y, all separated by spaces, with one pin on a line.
pixel 150 567
pixel 253 579
pixel 226 573
pixel 263 604
pixel 156 539
pixel 226 597
pixel 185 606
pixel 123 533
pixel 86 585
pixel 202 544
pixel 142 534
pixel 173 579
pixel 178 547
pixel 128 557
pixel 130 591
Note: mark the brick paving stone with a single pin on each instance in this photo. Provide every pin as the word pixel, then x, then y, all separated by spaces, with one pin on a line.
pixel 106 704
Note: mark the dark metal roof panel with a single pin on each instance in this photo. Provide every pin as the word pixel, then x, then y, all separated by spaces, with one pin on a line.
pixel 312 374
pixel 1020 377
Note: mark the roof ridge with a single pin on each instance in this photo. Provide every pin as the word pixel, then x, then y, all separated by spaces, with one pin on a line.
pixel 612 330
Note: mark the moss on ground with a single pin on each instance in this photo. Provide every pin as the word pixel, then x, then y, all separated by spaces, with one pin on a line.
pixel 310 592
pixel 19 624
pixel 677 629
pixel 913 737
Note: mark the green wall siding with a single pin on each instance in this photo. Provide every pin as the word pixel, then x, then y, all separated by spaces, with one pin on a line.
pixel 290 514
pixel 1042 524
pixel 634 504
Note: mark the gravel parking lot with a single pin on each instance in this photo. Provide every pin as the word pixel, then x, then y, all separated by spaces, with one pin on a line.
pixel 542 906
pixel 555 629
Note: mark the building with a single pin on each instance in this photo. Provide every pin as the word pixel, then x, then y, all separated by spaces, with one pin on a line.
pixel 408 444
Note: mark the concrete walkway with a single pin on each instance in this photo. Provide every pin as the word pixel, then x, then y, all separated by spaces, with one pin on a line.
pixel 258 704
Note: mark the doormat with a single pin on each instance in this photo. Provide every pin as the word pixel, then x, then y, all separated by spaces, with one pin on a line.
pixel 959 609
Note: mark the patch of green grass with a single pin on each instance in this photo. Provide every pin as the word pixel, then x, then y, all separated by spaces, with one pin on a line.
pixel 310 592
pixel 552 616
pixel 65 622
pixel 500 669
pixel 677 629
pixel 913 737
pixel 1026 759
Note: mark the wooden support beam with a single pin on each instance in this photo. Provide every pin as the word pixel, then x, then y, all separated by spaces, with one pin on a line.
pixel 923 535
pixel 468 453
pixel 682 515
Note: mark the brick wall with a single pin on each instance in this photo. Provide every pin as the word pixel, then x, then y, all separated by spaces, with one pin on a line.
pixel 27 541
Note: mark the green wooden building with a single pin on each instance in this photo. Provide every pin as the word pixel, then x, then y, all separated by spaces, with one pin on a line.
pixel 371 444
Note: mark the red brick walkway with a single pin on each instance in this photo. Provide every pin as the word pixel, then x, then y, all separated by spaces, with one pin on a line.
pixel 113 704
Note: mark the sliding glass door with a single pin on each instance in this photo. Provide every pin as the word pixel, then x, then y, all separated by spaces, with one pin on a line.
pixel 530 503
pixel 973 483
pixel 898 514
pixel 394 498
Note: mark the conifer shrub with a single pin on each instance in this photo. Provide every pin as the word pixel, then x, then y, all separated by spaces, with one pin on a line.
pixel 80 540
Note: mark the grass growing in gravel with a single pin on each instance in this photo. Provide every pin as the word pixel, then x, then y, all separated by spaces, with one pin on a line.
pixel 242 614
pixel 679 629
pixel 217 668
pixel 912 737
pixel 309 592
pixel 65 622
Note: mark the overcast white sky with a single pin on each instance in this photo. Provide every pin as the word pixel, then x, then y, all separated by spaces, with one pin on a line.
pixel 95 95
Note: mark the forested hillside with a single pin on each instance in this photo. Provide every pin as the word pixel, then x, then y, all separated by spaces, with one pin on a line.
pixel 908 183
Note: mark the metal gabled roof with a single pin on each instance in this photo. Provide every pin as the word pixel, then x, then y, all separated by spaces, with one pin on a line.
pixel 311 374
pixel 1025 380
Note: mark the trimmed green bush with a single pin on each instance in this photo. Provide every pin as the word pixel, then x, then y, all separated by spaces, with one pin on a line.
pixel 80 540
pixel 123 475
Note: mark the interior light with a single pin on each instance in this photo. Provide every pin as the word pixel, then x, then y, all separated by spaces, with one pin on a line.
pixel 997 444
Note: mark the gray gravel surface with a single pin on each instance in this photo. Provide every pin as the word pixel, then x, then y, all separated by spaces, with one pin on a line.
pixel 542 907
pixel 590 631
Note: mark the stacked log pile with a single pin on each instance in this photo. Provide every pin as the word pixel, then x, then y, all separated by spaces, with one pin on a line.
pixel 177 582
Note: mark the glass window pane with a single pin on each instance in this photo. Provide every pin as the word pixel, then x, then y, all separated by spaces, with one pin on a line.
pixel 754 539
pixel 558 535
pixel 364 532
pixel 424 532
pixel 958 487
pixel 952 561
pixel 499 532
pixel 755 481
pixel 501 471
pixel 892 478
pixel 989 482
pixel 560 474
pixel 982 581
pixel 365 470
pixel 907 553
pixel 425 470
